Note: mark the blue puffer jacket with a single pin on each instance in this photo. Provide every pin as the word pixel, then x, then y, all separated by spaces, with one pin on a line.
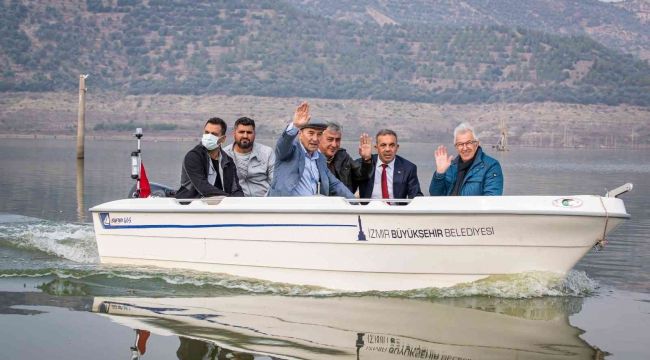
pixel 484 177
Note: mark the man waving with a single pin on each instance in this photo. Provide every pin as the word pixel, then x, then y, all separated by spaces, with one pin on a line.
pixel 300 169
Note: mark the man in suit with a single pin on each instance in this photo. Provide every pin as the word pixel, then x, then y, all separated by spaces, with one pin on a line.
pixel 393 176
pixel 300 169
pixel 207 170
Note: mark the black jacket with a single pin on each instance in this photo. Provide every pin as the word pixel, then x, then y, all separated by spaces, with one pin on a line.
pixel 351 172
pixel 194 176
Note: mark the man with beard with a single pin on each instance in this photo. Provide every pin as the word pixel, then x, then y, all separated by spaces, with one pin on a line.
pixel 393 176
pixel 300 169
pixel 255 162
pixel 340 163
pixel 207 170
pixel 471 173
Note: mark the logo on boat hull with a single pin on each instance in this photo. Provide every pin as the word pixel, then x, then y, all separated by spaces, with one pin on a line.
pixel 361 236
pixel 105 219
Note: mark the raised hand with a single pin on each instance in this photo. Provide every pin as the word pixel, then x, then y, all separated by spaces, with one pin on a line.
pixel 301 116
pixel 443 159
pixel 365 147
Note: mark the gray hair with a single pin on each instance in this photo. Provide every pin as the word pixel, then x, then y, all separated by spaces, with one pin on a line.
pixel 386 132
pixel 334 126
pixel 463 128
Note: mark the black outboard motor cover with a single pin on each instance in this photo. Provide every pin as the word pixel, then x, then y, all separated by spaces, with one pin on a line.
pixel 157 190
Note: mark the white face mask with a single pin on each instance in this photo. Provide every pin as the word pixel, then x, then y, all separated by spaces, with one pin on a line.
pixel 210 141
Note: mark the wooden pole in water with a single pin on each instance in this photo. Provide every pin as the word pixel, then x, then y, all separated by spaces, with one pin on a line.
pixel 81 118
pixel 81 209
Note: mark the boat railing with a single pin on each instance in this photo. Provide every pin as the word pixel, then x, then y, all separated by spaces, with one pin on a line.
pixel 214 200
pixel 619 190
pixel 386 201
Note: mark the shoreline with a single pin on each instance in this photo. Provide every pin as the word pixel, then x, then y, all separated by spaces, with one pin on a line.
pixel 190 138
pixel 544 125
pixel 120 137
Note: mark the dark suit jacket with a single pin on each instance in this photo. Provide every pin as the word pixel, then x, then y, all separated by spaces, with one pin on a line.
pixel 405 180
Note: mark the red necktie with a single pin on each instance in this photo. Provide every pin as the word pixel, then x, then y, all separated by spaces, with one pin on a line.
pixel 384 183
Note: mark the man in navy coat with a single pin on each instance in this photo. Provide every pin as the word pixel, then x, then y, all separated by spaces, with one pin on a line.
pixel 393 176
pixel 300 169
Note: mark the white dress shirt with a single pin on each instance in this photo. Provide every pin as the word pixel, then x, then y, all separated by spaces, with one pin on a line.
pixel 376 188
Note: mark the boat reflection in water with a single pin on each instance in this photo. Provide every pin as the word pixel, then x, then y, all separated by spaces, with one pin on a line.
pixel 263 327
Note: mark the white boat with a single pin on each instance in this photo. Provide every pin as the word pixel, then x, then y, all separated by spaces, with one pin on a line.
pixel 336 243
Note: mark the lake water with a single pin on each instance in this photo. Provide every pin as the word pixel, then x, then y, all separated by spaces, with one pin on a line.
pixel 54 295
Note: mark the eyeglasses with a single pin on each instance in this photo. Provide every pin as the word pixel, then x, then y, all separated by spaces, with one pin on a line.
pixel 465 144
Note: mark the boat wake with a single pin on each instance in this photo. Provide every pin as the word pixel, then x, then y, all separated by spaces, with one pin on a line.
pixel 152 282
pixel 516 286
pixel 74 242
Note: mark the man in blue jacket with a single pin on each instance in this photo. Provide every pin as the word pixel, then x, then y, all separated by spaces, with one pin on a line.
pixel 471 173
pixel 300 169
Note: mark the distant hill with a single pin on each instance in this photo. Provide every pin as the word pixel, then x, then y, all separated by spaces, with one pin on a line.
pixel 313 49
pixel 621 25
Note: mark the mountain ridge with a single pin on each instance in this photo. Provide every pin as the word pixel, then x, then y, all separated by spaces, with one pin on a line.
pixel 622 25
pixel 271 48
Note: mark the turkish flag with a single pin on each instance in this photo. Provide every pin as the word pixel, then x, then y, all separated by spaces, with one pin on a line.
pixel 145 188
pixel 143 336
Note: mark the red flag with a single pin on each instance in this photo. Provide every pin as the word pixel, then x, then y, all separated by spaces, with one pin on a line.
pixel 143 336
pixel 145 188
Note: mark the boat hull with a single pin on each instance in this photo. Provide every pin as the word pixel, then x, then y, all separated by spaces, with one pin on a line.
pixel 328 243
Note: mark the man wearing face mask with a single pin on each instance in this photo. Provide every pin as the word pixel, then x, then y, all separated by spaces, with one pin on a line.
pixel 300 169
pixel 207 170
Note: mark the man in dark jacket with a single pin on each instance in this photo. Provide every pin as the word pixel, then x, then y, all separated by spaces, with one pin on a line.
pixel 207 170
pixel 340 163
pixel 393 176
